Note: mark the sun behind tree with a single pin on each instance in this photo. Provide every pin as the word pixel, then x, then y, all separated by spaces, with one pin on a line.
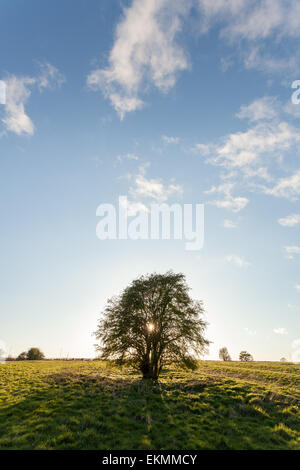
pixel 153 322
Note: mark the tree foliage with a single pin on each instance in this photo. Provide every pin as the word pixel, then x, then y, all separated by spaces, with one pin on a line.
pixel 153 322
pixel 22 356
pixel 224 354
pixel 245 356
pixel 33 354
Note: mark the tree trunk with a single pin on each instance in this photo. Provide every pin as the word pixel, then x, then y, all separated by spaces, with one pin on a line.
pixel 149 371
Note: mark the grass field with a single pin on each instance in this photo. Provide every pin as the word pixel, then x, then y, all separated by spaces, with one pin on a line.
pixel 91 405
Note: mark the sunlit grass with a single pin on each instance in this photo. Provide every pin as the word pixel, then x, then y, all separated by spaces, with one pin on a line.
pixel 92 405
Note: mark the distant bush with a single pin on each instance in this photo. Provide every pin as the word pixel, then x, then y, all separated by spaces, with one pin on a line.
pixel 245 356
pixel 283 359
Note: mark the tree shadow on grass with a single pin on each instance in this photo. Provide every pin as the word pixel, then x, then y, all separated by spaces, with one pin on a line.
pixel 79 411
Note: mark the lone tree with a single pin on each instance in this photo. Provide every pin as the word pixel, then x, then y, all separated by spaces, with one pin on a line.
pixel 153 322
pixel 34 354
pixel 224 354
pixel 245 356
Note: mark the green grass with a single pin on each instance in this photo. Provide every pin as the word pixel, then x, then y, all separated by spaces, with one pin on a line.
pixel 91 405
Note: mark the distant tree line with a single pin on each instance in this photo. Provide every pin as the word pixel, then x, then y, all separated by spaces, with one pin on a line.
pixel 244 356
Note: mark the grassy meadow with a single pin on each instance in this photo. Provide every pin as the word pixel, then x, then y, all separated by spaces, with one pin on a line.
pixel 93 405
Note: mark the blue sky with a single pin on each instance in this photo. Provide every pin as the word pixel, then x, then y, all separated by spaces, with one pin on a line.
pixel 160 101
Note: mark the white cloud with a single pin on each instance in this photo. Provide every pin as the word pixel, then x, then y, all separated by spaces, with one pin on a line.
pixel 250 332
pixel 292 250
pixel 170 140
pixel 288 187
pixel 297 287
pixel 258 58
pixel 245 148
pixel 17 94
pixel 49 77
pixel 261 173
pixel 238 261
pixel 292 109
pixel 18 91
pixel 280 331
pixel 203 149
pixel 290 220
pixel 230 202
pixel 127 156
pixel 152 188
pixel 234 204
pixel 258 20
pixel 145 52
pixel 253 23
pixel 229 223
pixel 247 157
pixel 260 109
pixel 226 63
pixel 133 207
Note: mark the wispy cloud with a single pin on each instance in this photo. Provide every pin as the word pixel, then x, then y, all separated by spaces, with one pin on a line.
pixel 288 187
pixel 254 19
pixel 253 23
pixel 261 109
pixel 145 53
pixel 238 261
pixel 49 77
pixel 133 207
pixel 280 331
pixel 244 148
pixel 152 188
pixel 249 159
pixel 203 149
pixel 250 332
pixel 127 156
pixel 249 151
pixel 229 202
pixel 229 223
pixel 170 140
pixel 290 220
pixel 18 92
pixel 295 250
